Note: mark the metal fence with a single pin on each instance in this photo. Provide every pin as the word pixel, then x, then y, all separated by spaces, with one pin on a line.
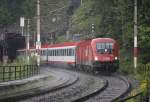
pixel 9 73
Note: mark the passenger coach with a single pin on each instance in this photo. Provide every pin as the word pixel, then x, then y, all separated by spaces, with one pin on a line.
pixel 99 54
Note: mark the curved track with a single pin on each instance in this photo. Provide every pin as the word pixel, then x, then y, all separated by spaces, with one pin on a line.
pixel 56 81
pixel 117 87
pixel 86 85
pixel 85 90
pixel 73 86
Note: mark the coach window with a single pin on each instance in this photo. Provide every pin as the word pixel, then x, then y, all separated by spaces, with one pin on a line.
pixel 61 52
pixel 58 52
pixel 67 52
pixel 73 52
pixel 55 52
pixel 48 52
pixel 70 52
pixel 52 52
pixel 43 52
pixel 64 52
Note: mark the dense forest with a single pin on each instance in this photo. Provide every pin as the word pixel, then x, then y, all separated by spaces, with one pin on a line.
pixel 111 18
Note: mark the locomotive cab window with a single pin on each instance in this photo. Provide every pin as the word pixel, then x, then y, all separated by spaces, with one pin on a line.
pixel 104 48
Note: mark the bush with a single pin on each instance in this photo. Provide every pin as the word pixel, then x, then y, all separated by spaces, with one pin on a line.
pixel 126 66
pixel 21 60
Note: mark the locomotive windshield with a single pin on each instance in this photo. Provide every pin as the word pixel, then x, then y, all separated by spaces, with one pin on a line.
pixel 104 48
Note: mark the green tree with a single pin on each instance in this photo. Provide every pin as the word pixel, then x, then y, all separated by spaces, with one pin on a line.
pixel 5 17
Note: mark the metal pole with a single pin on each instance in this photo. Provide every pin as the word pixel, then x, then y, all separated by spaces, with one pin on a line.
pixel 22 31
pixel 38 42
pixel 38 24
pixel 28 40
pixel 135 34
pixel 81 2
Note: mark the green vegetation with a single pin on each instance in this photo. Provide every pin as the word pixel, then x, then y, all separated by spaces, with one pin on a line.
pixel 11 10
pixel 114 18
pixel 62 39
pixel 20 68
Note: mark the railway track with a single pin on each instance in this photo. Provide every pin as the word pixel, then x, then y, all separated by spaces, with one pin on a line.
pixel 117 87
pixel 87 89
pixel 39 87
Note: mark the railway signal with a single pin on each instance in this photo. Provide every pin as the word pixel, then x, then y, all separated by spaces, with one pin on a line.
pixel 93 30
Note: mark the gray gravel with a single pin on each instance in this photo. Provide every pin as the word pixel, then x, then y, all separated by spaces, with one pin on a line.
pixel 86 85
pixel 117 86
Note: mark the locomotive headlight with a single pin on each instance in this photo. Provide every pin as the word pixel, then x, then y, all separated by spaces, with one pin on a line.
pixel 116 58
pixel 96 58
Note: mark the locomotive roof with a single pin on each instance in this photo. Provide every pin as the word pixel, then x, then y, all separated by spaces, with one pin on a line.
pixel 104 39
pixel 64 44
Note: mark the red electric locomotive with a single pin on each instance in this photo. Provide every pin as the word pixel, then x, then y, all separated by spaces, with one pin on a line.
pixel 99 54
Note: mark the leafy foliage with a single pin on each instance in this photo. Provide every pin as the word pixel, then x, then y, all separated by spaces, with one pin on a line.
pixel 11 10
pixel 114 18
